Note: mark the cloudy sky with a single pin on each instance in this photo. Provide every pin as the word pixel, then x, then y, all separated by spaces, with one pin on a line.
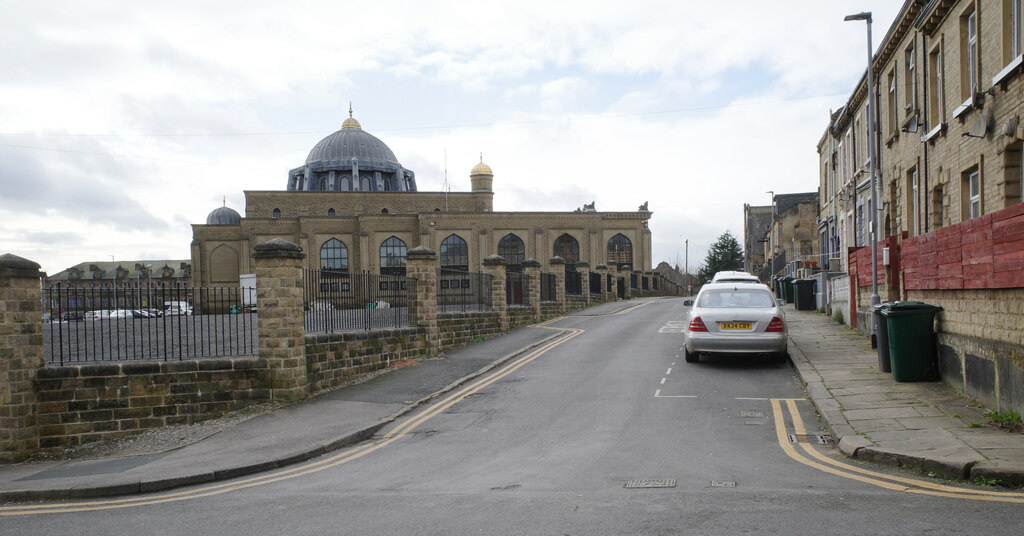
pixel 123 123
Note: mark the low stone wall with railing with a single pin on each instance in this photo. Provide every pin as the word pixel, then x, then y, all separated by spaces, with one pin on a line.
pixel 313 332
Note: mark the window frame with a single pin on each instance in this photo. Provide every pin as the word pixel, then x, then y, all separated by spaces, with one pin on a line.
pixel 454 253
pixel 342 255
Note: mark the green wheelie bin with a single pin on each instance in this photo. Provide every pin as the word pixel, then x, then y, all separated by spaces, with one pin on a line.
pixel 912 340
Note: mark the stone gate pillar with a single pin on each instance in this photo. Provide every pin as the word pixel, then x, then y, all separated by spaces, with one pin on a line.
pixel 584 269
pixel 421 265
pixel 495 267
pixel 282 334
pixel 21 355
pixel 531 267
pixel 558 268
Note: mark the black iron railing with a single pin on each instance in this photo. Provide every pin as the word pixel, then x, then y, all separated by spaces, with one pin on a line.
pixel 594 280
pixel 147 322
pixel 339 301
pixel 460 292
pixel 633 282
pixel 573 283
pixel 547 286
pixel 517 288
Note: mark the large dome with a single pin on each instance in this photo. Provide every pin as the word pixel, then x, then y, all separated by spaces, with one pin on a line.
pixel 351 160
pixel 353 142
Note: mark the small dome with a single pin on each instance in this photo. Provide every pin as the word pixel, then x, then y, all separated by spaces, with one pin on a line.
pixel 223 216
pixel 481 168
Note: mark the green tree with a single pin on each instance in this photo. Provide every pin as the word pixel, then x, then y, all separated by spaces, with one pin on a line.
pixel 725 254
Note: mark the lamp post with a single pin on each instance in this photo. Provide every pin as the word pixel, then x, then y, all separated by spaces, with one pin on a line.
pixel 873 224
pixel 138 283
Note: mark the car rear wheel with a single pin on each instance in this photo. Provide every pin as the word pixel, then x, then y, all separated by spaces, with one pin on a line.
pixel 691 357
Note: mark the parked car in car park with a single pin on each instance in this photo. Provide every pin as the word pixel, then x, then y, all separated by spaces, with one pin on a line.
pixel 735 318
pixel 121 313
pixel 98 314
pixel 177 308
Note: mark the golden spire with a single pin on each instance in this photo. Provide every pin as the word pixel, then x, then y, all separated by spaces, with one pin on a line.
pixel 351 121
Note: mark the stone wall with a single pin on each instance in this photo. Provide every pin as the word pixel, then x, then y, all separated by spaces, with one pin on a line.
pixel 335 358
pixel 459 329
pixel 82 404
pixel 519 316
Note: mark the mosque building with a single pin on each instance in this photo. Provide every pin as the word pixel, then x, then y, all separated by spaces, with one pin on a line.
pixel 353 207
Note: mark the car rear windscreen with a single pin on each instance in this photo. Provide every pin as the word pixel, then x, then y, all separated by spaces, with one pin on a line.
pixel 736 298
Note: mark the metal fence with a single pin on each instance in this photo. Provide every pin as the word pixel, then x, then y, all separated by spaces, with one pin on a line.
pixel 633 281
pixel 339 301
pixel 461 292
pixel 145 322
pixel 595 283
pixel 517 288
pixel 547 286
pixel 573 283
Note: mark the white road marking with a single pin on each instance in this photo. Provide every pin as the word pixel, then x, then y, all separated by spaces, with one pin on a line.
pixel 663 381
pixel 669 371
pixel 657 394
pixel 674 326
pixel 741 398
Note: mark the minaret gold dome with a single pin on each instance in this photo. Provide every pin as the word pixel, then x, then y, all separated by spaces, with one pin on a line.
pixel 351 121
pixel 481 168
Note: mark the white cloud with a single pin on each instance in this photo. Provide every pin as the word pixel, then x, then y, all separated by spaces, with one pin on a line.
pixel 122 123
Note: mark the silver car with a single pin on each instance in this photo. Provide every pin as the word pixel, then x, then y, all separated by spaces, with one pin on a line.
pixel 735 318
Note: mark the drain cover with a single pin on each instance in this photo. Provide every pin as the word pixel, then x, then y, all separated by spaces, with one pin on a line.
pixel 723 484
pixel 818 439
pixel 668 483
pixel 752 413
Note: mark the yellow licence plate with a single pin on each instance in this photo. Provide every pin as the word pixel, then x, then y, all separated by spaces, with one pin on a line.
pixel 736 325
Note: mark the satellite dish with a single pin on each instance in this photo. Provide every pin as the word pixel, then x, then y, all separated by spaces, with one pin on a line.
pixel 978 128
pixel 1010 128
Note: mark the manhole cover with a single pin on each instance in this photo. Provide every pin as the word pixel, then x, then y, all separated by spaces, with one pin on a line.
pixel 723 484
pixel 818 439
pixel 752 413
pixel 669 483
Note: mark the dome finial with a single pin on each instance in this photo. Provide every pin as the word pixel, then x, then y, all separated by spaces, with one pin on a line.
pixel 225 200
pixel 351 121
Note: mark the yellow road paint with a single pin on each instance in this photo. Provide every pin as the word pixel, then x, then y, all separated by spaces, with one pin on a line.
pixel 860 474
pixel 309 468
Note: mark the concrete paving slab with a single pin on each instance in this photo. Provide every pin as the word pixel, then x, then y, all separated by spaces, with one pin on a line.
pixel 871 426
pixel 881 413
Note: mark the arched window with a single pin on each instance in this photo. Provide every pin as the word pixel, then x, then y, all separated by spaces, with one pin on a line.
pixel 364 184
pixel 387 185
pixel 346 183
pixel 334 255
pixel 383 211
pixel 620 251
pixel 330 212
pixel 567 248
pixel 437 210
pixel 392 257
pixel 277 213
pixel 323 184
pixel 455 254
pixel 511 248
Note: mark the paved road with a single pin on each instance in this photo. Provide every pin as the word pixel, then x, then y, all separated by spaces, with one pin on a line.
pixel 548 444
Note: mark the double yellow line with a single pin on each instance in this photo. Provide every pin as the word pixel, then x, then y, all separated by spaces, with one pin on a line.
pixel 821 462
pixel 310 468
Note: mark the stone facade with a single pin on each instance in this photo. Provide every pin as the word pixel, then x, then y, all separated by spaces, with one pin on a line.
pixel 950 86
pixel 347 229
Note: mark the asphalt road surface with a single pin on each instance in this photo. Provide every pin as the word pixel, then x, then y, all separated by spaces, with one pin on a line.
pixel 604 431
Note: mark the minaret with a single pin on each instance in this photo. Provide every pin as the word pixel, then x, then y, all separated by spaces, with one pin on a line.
pixel 481 177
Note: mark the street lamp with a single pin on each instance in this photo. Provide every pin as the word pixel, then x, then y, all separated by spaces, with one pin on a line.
pixel 873 224
pixel 138 283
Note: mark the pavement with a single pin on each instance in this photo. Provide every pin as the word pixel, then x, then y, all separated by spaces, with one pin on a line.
pixel 923 426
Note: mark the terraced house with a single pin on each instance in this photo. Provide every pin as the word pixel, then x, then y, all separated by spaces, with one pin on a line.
pixel 949 87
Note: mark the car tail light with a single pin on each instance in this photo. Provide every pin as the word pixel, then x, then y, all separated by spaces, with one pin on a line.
pixel 697 324
pixel 775 326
